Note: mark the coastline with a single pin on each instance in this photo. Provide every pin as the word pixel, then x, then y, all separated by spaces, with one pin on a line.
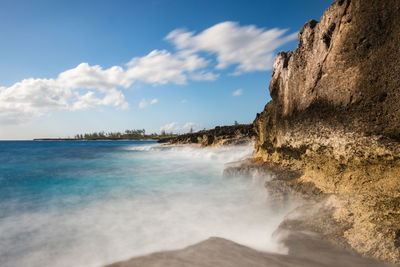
pixel 302 233
pixel 331 133
pixel 329 139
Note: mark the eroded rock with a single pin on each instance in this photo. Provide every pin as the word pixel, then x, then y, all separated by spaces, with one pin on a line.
pixel 220 135
pixel 335 114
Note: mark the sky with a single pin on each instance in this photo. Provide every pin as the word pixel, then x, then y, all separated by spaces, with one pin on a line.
pixel 71 67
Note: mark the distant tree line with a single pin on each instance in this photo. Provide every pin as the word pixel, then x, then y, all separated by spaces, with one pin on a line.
pixel 128 134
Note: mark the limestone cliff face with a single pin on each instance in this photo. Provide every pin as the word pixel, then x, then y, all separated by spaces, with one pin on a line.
pixel 335 114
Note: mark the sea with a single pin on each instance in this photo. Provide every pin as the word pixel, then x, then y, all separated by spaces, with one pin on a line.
pixel 90 203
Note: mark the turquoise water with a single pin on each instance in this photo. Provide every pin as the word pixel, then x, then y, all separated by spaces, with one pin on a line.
pixel 92 203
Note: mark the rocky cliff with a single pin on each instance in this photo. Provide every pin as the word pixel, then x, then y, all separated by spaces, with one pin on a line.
pixel 335 116
pixel 220 135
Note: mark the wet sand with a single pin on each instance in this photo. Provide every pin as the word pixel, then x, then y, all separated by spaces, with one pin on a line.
pixel 305 249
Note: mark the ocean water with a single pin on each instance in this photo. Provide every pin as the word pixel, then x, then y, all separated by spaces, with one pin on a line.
pixel 92 203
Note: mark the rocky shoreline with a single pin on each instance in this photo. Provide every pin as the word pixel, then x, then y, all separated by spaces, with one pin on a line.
pixel 305 249
pixel 332 130
pixel 220 135
pixel 334 115
pixel 330 137
pixel 312 236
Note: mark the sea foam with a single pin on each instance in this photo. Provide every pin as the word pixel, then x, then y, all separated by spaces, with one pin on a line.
pixel 149 198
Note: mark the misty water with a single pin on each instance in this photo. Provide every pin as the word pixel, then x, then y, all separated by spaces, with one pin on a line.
pixel 93 203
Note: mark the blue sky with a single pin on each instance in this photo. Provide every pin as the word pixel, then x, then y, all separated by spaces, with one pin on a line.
pixel 70 67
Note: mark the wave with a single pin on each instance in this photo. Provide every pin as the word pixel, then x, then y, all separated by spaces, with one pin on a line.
pixel 141 148
pixel 168 197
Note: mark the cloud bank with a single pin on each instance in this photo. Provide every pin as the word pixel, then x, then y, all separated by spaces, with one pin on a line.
pixel 246 48
pixel 175 127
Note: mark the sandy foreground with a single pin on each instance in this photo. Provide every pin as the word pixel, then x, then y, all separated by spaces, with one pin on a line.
pixel 305 249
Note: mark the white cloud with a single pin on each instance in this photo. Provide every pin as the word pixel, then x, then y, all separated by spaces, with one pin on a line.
pixel 161 67
pixel 183 101
pixel 88 86
pixel 94 77
pixel 144 103
pixel 190 125
pixel 204 76
pixel 175 127
pixel 85 87
pixel 80 88
pixel 170 127
pixel 237 92
pixel 251 48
